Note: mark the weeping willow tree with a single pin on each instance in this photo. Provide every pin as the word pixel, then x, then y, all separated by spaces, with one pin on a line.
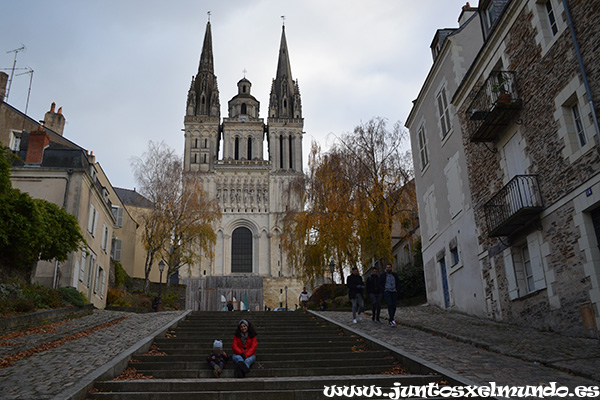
pixel 351 196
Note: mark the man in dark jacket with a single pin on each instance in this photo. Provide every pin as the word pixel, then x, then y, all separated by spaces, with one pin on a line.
pixel 375 294
pixel 389 283
pixel 355 285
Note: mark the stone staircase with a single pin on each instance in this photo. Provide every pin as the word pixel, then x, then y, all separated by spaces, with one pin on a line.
pixel 298 355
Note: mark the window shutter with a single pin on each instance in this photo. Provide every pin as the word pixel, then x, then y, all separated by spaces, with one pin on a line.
pixel 513 289
pixel 117 248
pixel 91 219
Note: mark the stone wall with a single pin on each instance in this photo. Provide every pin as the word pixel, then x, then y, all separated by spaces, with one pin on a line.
pixel 540 78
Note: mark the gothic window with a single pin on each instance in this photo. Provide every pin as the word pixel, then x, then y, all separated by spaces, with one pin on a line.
pixel 249 148
pixel 206 143
pixel 241 251
pixel 237 149
pixel 244 107
pixel 290 145
pixel 281 152
pixel 204 158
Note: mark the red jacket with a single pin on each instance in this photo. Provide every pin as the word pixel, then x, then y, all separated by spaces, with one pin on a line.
pixel 245 350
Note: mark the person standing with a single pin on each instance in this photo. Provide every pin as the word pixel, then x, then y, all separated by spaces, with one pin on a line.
pixel 244 346
pixel 304 299
pixel 375 294
pixel 389 283
pixel 355 285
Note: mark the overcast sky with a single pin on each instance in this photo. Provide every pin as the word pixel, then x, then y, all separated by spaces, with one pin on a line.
pixel 121 69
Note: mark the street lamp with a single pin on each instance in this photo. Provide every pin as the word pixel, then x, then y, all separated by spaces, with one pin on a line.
pixel 161 268
pixel 332 269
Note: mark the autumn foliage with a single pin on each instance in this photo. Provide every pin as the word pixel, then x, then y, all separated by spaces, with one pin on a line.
pixel 351 196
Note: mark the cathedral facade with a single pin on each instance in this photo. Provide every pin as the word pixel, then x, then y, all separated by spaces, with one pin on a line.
pixel 249 183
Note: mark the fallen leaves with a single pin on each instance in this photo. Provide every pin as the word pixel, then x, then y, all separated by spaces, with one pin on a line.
pixel 154 351
pixel 131 374
pixel 13 358
pixel 395 370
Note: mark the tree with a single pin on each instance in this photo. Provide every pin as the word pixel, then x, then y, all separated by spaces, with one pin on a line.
pixel 31 229
pixel 178 224
pixel 351 195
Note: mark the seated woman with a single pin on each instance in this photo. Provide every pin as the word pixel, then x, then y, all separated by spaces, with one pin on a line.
pixel 244 346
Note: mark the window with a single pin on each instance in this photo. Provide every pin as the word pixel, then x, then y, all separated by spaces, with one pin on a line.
pixel 281 152
pixel 206 143
pixel 99 284
pixel 443 112
pixel 237 149
pixel 118 214
pixel 90 269
pixel 290 145
pixel 249 148
pixel 454 255
pixel 453 184
pixel 92 220
pixel 489 15
pixel 430 213
pixel 105 236
pixel 244 107
pixel 82 266
pixel 15 141
pixel 241 250
pixel 116 249
pixel 524 266
pixel 551 17
pixel 596 222
pixel 423 155
pixel 577 121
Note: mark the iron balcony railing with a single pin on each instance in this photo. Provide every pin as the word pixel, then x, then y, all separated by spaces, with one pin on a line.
pixel 514 206
pixel 494 107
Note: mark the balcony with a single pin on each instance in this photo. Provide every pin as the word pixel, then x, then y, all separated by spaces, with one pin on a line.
pixel 494 107
pixel 514 206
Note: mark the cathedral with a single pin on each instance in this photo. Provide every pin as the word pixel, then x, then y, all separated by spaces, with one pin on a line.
pixel 248 266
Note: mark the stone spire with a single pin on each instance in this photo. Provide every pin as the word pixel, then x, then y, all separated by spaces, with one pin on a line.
pixel 285 93
pixel 203 96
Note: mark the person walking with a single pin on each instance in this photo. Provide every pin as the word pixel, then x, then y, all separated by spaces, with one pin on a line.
pixel 355 285
pixel 389 283
pixel 375 294
pixel 304 299
pixel 244 346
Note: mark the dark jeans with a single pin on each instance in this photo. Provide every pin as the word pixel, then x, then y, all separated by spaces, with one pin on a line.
pixel 375 305
pixel 391 298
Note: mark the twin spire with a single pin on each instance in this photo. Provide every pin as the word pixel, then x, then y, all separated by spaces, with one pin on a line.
pixel 203 96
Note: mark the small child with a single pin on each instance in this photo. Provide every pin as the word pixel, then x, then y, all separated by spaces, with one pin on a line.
pixel 217 358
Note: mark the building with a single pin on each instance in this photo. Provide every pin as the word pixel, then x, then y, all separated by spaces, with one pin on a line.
pixel 449 245
pixel 528 118
pixel 57 170
pixel 249 185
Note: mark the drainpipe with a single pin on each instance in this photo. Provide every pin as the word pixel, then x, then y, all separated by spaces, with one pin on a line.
pixel 582 67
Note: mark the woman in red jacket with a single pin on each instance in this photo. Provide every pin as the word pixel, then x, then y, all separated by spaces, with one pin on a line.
pixel 244 346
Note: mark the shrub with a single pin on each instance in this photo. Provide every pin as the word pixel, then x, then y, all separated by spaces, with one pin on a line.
pixel 72 296
pixel 170 301
pixel 121 277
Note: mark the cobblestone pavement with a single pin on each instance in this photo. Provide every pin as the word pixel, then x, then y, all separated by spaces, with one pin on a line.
pixel 483 350
pixel 47 373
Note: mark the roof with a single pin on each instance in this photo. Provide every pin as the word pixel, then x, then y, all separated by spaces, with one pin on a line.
pixel 132 198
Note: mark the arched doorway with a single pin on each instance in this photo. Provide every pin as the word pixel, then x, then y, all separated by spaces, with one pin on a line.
pixel 241 250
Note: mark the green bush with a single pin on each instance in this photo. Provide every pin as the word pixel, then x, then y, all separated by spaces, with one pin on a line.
pixel 72 296
pixel 170 301
pixel 121 277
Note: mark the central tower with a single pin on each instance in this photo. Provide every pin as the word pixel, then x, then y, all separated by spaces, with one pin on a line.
pixel 250 187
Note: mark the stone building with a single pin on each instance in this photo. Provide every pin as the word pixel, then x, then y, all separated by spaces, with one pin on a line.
pixel 249 185
pixel 449 245
pixel 531 148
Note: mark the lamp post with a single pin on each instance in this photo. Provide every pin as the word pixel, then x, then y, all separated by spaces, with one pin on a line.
pixel 332 269
pixel 161 268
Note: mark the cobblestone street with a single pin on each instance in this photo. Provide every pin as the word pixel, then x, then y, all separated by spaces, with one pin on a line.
pixel 47 373
pixel 483 350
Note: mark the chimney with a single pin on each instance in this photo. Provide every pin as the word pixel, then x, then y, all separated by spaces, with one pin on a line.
pixel 38 141
pixel 466 13
pixel 3 82
pixel 55 120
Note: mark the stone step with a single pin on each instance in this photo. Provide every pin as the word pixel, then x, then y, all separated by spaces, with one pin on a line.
pixel 253 387
pixel 302 355
pixel 263 340
pixel 293 363
pixel 173 349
